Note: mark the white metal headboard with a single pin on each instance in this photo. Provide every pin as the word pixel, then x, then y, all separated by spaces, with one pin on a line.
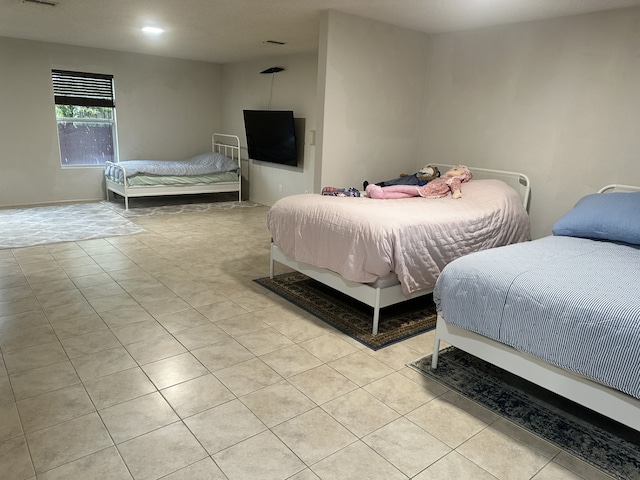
pixel 615 187
pixel 228 145
pixel 516 180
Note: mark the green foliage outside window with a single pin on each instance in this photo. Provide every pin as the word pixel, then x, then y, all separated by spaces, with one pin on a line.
pixel 77 111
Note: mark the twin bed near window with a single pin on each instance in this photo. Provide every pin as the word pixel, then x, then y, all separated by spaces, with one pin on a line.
pixel 562 311
pixel 217 171
pixel 382 252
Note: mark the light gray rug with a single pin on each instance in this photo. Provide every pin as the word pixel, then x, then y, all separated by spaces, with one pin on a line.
pixel 61 223
pixel 144 207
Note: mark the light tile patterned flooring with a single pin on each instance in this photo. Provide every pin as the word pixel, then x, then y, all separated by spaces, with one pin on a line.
pixel 156 356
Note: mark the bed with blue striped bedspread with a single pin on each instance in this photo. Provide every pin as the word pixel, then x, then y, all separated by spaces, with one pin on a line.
pixel 572 302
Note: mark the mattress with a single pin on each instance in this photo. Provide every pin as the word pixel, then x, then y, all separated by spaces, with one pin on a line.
pixel 146 180
pixel 154 172
pixel 365 239
pixel 569 301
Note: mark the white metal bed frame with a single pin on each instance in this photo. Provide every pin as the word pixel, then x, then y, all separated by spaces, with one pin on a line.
pixel 607 401
pixel 376 296
pixel 228 145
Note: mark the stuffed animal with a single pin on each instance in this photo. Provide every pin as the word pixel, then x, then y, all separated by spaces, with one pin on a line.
pixel 426 174
pixel 421 177
pixel 451 181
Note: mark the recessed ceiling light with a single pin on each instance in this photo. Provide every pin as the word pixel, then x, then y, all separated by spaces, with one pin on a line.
pixel 153 31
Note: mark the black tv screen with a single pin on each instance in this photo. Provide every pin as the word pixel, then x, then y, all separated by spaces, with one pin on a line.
pixel 271 136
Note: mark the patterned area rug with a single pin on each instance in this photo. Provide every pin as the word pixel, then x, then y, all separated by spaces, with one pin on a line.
pixel 354 318
pixel 171 205
pixel 61 223
pixel 605 444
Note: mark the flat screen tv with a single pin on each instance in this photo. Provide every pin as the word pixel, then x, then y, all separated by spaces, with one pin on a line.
pixel 271 136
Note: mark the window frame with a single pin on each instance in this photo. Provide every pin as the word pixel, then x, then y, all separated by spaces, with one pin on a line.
pixel 84 89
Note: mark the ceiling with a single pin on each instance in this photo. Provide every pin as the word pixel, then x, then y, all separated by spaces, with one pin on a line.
pixel 226 31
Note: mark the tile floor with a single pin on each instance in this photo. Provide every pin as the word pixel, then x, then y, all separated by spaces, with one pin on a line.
pixel 156 356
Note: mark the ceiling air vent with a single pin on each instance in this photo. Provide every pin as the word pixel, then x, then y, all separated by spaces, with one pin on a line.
pixel 275 42
pixel 49 3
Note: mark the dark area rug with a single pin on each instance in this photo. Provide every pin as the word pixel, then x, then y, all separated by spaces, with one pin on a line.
pixel 595 439
pixel 354 318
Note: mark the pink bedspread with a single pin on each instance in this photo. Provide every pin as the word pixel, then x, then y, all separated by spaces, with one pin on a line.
pixel 364 239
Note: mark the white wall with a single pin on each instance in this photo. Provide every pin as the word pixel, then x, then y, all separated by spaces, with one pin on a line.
pixel 558 100
pixel 165 108
pixel 371 107
pixel 243 87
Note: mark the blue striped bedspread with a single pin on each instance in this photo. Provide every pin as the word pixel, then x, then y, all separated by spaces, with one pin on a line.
pixel 572 302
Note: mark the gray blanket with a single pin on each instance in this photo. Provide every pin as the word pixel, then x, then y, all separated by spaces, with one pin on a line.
pixel 203 164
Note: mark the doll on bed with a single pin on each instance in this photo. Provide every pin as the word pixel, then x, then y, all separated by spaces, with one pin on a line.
pixel 451 181
pixel 421 177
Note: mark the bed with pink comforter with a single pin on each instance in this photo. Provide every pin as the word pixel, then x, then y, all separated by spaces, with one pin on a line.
pixel 364 239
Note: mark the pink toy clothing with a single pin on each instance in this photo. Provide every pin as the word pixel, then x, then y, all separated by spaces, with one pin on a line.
pixel 392 191
pixel 440 187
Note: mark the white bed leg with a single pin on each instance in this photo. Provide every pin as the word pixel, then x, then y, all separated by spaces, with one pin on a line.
pixel 376 312
pixel 126 203
pixel 376 319
pixel 436 350
pixel 271 266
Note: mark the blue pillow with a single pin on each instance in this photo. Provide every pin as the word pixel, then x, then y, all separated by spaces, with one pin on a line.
pixel 604 216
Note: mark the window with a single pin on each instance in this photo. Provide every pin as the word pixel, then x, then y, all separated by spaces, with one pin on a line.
pixel 86 117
